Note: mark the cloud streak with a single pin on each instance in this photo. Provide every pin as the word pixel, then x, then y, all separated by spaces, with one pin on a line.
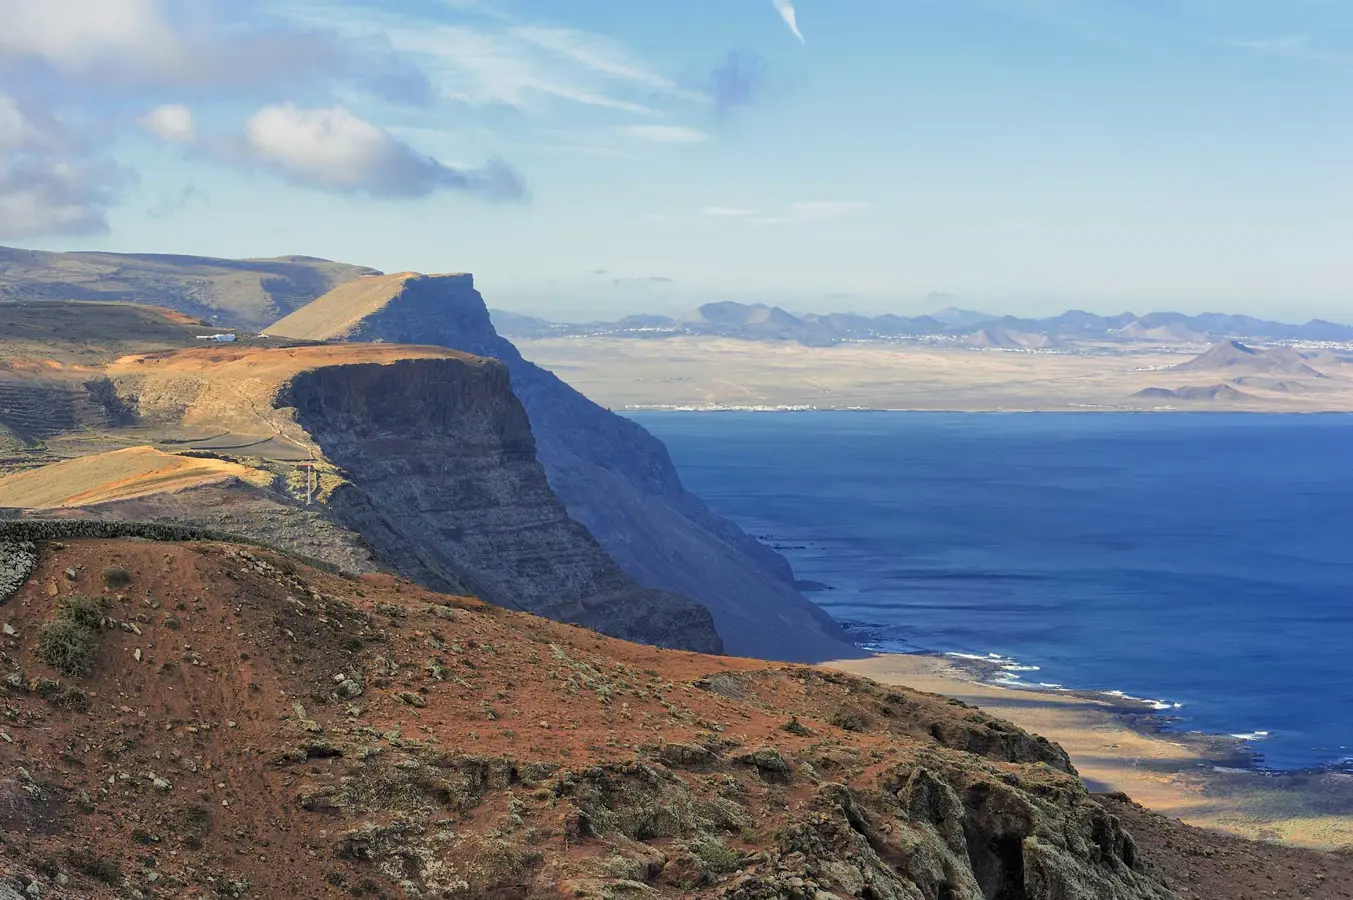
pixel 794 213
pixel 665 134
pixel 787 12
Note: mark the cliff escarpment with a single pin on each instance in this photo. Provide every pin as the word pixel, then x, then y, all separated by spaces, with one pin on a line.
pixel 427 455
pixel 611 474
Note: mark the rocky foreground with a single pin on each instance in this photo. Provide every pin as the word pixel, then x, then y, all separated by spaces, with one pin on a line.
pixel 209 719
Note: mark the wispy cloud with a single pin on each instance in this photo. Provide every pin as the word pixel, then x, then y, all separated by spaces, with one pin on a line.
pixel 794 213
pixel 787 12
pixel 1296 47
pixel 665 134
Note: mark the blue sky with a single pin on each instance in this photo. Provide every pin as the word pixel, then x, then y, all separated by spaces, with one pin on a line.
pixel 591 158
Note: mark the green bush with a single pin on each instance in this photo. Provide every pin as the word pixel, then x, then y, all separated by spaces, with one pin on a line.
pixel 68 647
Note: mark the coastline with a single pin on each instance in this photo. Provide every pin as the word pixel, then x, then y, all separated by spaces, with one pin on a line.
pixel 1121 745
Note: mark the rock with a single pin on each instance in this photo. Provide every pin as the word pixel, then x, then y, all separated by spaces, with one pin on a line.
pixel 10 630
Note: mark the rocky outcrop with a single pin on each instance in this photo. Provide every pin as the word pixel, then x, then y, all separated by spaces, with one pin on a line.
pixel 612 475
pixel 385 741
pixel 428 457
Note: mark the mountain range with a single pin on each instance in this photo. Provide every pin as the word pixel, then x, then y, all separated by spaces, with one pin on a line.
pixel 761 322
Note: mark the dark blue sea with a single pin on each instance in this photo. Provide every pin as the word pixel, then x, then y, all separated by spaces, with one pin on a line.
pixel 1201 561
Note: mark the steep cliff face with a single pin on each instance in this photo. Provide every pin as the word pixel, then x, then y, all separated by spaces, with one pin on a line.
pixel 612 475
pixel 432 463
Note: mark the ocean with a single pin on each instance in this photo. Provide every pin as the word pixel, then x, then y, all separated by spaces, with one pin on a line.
pixel 1202 561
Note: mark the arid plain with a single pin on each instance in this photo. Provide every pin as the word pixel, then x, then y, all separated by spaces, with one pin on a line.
pixel 713 372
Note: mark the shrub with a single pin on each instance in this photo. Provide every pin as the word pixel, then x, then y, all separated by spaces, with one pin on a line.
pixel 850 720
pixel 716 856
pixel 100 868
pixel 68 647
pixel 116 577
pixel 87 612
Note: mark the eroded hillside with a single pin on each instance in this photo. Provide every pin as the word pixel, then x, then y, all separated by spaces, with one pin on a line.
pixel 226 721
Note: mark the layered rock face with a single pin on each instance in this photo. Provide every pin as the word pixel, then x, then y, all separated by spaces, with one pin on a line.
pixel 433 465
pixel 612 475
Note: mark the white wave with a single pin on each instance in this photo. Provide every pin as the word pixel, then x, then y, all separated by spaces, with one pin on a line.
pixel 1251 736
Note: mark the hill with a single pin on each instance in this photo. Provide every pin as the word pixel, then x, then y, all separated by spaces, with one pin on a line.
pixel 995 338
pixel 1222 392
pixel 244 293
pixel 613 476
pixel 1235 357
pixel 218 720
pixel 120 475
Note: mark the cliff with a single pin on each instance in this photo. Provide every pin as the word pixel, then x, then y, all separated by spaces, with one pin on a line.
pixel 612 475
pixel 211 720
pixel 427 455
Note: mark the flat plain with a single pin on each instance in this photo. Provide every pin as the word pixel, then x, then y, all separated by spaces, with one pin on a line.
pixel 713 372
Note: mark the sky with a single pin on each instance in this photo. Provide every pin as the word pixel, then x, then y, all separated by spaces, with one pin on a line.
pixel 590 158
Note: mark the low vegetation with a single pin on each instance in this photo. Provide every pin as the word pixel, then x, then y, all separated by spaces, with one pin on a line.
pixel 69 643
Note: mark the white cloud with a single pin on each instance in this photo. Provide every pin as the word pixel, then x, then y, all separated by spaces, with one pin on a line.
pixel 665 134
pixel 332 149
pixel 729 212
pixel 787 12
pixel 76 35
pixel 171 122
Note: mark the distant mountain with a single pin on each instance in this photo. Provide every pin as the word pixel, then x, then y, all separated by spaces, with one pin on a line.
pixel 762 322
pixel 524 326
pixel 755 321
pixel 993 337
pixel 953 317
pixel 1174 333
pixel 1211 392
pixel 1236 358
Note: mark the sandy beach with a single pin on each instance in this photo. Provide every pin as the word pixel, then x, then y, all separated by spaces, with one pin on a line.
pixel 1197 778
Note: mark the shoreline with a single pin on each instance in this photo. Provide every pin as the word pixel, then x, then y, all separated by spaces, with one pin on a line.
pixel 1123 745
